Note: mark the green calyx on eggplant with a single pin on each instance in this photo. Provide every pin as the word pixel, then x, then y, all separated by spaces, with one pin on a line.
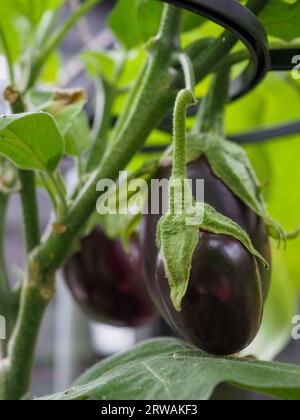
pixel 222 304
pixel 108 283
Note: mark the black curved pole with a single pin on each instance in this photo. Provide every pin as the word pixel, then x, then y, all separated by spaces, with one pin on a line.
pixel 244 24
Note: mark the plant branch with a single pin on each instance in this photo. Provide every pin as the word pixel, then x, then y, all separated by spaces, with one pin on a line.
pixel 36 295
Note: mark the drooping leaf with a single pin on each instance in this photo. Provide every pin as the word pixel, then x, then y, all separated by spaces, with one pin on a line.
pixel 169 369
pixel 31 141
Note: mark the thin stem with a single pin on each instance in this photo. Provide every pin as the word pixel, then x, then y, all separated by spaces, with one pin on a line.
pixel 5 292
pixel 108 93
pixel 8 55
pixel 63 207
pixel 30 209
pixel 211 114
pixel 188 71
pixel 57 38
pixel 28 198
pixel 36 295
pixel 4 282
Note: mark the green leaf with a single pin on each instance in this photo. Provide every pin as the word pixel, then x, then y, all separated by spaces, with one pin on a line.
pixel 230 163
pixel 78 137
pixel 31 141
pixel 134 21
pixel 215 222
pixel 281 19
pixel 65 110
pixel 169 369
pixel 103 63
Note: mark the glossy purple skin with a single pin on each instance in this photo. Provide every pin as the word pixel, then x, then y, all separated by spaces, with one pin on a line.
pixel 108 283
pixel 222 310
pixel 200 319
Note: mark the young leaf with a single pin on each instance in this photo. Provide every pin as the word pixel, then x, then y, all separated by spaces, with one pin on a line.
pixel 215 222
pixel 230 163
pixel 169 369
pixel 31 141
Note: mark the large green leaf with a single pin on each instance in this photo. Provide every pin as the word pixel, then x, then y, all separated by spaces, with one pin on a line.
pixel 31 141
pixel 281 19
pixel 169 369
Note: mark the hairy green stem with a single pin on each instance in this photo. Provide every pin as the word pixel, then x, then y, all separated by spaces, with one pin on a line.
pixel 184 99
pixel 36 295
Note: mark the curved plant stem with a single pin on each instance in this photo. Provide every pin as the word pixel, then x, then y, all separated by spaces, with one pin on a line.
pixel 184 99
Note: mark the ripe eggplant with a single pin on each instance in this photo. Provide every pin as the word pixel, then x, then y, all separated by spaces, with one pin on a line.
pixel 108 283
pixel 222 310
